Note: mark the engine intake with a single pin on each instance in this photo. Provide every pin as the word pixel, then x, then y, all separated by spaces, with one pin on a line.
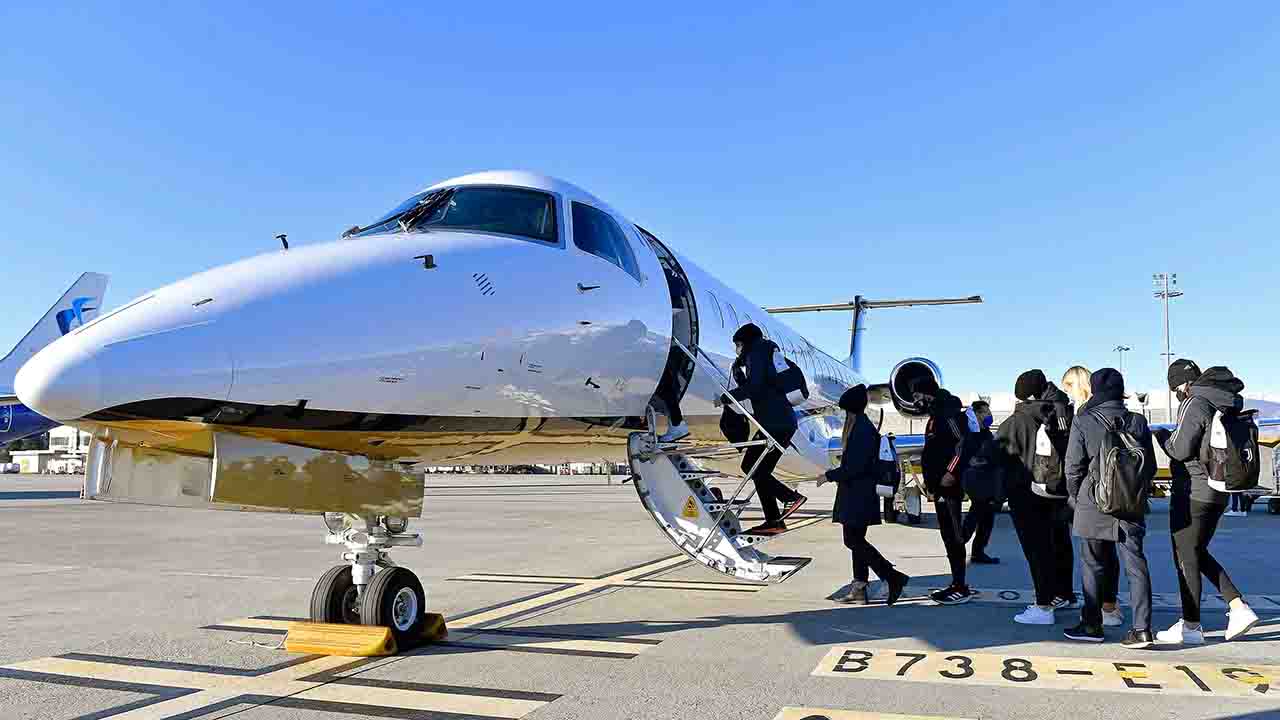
pixel 900 380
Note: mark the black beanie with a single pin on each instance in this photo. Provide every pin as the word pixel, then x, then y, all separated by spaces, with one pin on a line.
pixel 1107 384
pixel 748 334
pixel 1183 371
pixel 854 399
pixel 1030 385
pixel 925 385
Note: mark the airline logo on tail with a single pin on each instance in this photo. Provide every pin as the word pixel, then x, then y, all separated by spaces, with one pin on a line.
pixel 73 317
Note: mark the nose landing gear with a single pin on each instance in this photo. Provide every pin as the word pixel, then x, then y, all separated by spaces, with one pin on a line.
pixel 370 589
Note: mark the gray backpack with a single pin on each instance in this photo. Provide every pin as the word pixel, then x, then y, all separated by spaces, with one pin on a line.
pixel 1121 487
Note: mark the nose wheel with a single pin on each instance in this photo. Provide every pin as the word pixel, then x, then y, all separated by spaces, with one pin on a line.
pixel 370 589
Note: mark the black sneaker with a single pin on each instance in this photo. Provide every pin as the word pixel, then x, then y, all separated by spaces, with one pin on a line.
pixel 767 529
pixel 1138 639
pixel 897 583
pixel 954 595
pixel 1085 633
pixel 984 559
pixel 790 507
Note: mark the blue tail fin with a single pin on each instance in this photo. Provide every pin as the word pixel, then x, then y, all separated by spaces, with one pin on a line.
pixel 77 306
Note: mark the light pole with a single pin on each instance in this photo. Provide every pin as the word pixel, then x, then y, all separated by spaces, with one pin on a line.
pixel 1122 349
pixel 1166 288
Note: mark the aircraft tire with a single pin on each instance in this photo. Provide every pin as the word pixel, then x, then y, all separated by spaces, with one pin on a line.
pixel 395 599
pixel 1273 506
pixel 334 598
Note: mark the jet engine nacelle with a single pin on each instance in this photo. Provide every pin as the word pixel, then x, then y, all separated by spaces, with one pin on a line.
pixel 904 374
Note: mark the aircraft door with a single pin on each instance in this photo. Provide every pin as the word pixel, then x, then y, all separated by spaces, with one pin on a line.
pixel 679 371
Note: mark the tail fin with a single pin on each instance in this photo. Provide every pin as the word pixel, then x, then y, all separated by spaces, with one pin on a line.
pixel 77 306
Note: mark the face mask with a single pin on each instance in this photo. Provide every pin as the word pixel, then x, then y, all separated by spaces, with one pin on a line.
pixel 987 420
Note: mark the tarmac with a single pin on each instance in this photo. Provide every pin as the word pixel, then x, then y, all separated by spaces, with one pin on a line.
pixel 565 601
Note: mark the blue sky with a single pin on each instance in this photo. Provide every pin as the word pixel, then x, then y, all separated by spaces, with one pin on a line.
pixel 1048 158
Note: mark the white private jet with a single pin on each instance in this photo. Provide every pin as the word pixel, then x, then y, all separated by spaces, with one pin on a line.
pixel 496 318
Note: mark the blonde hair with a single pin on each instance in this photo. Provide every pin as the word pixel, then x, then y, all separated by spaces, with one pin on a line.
pixel 1075 383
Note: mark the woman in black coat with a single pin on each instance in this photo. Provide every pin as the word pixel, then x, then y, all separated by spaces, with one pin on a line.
pixel 857 504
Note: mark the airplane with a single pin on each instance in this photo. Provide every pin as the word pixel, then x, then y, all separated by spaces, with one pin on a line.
pixel 78 305
pixel 498 318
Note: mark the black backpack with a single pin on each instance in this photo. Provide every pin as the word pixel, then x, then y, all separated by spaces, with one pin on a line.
pixel 1122 483
pixel 1230 453
pixel 789 378
pixel 1047 477
pixel 980 480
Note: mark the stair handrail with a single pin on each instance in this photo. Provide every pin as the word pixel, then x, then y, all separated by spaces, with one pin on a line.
pixel 728 504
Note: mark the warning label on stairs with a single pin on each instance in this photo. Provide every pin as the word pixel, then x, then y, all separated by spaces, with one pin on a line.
pixel 690 510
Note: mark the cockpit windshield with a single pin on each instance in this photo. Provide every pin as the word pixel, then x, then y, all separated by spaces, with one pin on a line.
pixel 502 210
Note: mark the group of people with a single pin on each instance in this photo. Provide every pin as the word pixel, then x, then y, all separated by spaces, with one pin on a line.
pixel 1060 459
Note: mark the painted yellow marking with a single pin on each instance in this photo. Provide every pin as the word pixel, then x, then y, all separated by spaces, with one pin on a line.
pixel 1035 672
pixel 215 688
pixel 690 510
pixel 562 580
pixel 797 713
pixel 532 641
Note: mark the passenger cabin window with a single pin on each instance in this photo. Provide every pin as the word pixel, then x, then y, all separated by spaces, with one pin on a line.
pixel 595 232
pixel 502 210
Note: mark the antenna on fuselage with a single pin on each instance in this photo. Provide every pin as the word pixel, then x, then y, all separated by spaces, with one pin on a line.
pixel 860 305
pixel 284 240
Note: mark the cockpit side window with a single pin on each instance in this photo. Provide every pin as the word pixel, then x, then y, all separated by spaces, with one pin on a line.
pixel 595 232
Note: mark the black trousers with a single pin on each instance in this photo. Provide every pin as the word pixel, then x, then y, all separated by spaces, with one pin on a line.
pixel 1101 572
pixel 1044 531
pixel 1192 525
pixel 769 488
pixel 978 524
pixel 950 525
pixel 865 555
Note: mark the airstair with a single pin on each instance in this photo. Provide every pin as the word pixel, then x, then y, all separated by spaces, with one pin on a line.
pixel 695 516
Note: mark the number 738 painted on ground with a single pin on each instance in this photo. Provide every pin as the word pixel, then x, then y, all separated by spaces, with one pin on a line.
pixel 1061 673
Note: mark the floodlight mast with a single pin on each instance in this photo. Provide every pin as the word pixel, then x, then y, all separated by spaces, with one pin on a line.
pixel 859 305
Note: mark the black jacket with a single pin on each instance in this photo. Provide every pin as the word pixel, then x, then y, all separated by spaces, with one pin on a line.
pixel 1016 440
pixel 1083 449
pixel 769 405
pixel 856 500
pixel 945 450
pixel 1217 389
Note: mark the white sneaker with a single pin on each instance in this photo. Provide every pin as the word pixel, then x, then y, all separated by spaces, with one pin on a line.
pixel 675 433
pixel 1236 513
pixel 1112 618
pixel 1035 615
pixel 1180 634
pixel 1240 621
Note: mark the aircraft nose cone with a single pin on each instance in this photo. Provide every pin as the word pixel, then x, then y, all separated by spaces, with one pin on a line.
pixel 61 382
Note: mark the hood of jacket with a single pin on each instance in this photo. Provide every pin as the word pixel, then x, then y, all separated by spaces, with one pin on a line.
pixel 1221 388
pixel 945 405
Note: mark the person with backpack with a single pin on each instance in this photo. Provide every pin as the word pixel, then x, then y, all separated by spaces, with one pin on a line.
pixel 981 483
pixel 1110 464
pixel 942 459
pixel 1210 404
pixel 773 410
pixel 857 505
pixel 1032 444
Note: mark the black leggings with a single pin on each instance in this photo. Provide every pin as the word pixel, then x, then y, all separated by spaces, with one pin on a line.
pixel 950 524
pixel 1044 531
pixel 769 488
pixel 1192 525
pixel 978 524
pixel 865 555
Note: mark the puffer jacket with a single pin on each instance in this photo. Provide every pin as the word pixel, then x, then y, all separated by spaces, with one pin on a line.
pixel 1083 450
pixel 1218 389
